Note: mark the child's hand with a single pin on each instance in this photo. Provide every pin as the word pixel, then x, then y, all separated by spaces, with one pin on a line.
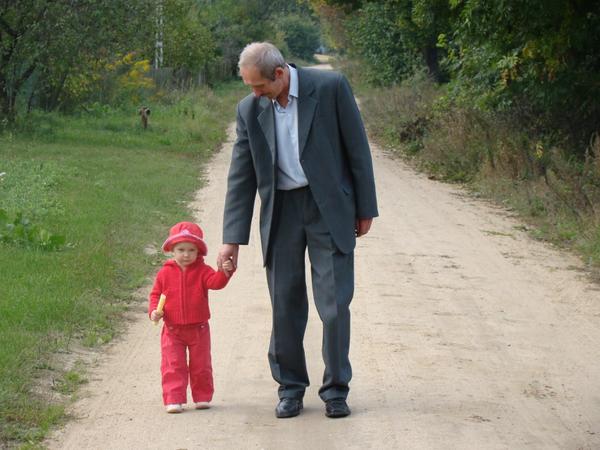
pixel 155 316
pixel 228 267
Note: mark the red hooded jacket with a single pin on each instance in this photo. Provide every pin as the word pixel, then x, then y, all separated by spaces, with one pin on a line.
pixel 186 291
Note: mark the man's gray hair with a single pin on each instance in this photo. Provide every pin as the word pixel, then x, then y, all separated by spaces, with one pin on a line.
pixel 264 56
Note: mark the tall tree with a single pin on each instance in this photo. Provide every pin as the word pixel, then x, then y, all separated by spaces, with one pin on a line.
pixel 235 24
pixel 189 44
pixel 394 36
pixel 47 40
pixel 544 66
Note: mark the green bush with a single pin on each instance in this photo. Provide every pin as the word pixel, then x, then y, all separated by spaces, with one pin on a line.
pixel 21 232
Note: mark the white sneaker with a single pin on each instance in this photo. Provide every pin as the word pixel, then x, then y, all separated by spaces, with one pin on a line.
pixel 202 405
pixel 174 408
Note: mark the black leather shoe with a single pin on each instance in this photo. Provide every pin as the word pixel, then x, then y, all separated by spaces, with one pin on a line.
pixel 336 407
pixel 288 407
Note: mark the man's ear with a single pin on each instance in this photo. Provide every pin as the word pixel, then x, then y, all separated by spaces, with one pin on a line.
pixel 279 71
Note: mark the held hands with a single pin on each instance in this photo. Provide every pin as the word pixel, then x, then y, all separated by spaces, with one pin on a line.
pixel 155 316
pixel 228 252
pixel 228 268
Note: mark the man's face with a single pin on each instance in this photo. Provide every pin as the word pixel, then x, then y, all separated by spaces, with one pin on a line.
pixel 263 86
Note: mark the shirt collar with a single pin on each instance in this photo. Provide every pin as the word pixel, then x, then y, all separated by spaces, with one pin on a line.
pixel 293 82
pixel 293 92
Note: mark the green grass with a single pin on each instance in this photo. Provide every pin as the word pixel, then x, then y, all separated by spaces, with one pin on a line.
pixel 111 189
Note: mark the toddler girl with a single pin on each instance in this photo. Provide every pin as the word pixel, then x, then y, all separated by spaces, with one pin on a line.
pixel 185 281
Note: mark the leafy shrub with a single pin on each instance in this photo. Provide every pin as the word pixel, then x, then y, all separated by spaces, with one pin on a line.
pixel 20 231
pixel 543 68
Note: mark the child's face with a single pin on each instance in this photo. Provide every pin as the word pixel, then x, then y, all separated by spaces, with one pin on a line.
pixel 185 253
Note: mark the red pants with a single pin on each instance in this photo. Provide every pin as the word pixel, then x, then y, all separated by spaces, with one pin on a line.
pixel 176 370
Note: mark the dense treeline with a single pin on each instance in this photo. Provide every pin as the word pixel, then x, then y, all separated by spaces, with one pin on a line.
pixel 502 95
pixel 537 60
pixel 65 54
pixel 48 48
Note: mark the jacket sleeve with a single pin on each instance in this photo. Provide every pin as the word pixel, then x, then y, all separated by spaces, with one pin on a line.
pixel 157 289
pixel 214 279
pixel 241 189
pixel 357 149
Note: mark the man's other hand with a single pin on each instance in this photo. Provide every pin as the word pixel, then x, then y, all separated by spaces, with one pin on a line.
pixel 362 226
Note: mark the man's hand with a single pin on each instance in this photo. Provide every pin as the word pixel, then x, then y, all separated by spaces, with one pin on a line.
pixel 362 226
pixel 229 252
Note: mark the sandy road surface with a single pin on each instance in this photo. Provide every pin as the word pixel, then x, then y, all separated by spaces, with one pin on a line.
pixel 466 335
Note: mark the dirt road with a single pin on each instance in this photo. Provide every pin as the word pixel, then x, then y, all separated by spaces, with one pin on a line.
pixel 466 335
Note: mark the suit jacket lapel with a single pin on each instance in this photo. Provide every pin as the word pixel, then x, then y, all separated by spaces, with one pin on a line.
pixel 266 119
pixel 307 105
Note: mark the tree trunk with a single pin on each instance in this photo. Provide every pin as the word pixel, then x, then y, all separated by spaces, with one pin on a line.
pixel 31 97
pixel 7 101
pixel 430 54
pixel 11 106
pixel 14 91
pixel 3 99
pixel 58 91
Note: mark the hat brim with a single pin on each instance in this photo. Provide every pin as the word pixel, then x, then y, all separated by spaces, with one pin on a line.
pixel 176 239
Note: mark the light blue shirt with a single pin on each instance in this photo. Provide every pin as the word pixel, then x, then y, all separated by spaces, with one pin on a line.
pixel 290 174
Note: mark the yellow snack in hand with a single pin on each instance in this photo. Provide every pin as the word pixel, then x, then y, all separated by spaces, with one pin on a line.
pixel 161 305
pixel 161 302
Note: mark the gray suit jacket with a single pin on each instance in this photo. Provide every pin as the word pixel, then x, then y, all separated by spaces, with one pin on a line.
pixel 334 153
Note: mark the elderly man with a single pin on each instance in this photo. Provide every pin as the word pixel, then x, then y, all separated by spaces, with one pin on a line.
pixel 301 144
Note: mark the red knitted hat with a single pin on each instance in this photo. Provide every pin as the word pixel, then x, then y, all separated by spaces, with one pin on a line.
pixel 186 232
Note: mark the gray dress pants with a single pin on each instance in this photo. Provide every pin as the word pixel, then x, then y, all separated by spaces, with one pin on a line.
pixel 298 226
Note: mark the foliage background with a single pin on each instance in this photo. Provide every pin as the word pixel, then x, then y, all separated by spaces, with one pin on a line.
pixel 85 191
pixel 60 55
pixel 493 94
pixel 503 57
